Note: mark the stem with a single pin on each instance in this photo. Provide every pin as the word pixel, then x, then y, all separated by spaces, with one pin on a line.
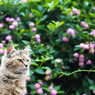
pixel 77 71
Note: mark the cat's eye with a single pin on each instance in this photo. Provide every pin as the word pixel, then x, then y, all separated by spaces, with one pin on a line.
pixel 20 60
pixel 27 60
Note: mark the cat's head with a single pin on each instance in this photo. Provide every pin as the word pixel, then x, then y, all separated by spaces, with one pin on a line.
pixel 16 61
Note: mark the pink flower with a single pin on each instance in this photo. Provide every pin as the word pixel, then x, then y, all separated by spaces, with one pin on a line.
pixel 76 11
pixel 7 19
pixel 1 51
pixel 11 19
pixel 3 41
pixel 89 62
pixel 84 94
pixel 71 31
pixel 58 60
pixel 1 45
pixel 65 39
pixel 30 15
pixel 92 33
pixel 15 3
pixel 26 93
pixel 34 29
pixel 53 92
pixel 86 26
pixel 81 64
pixel 11 26
pixel 39 91
pixel 37 86
pixel 28 79
pixel 91 50
pixel 37 36
pixel 1 25
pixel 82 23
pixel 81 59
pixel 94 8
pixel 8 38
pixel 76 55
pixel 32 24
pixel 40 82
pixel 38 40
pixel 15 23
pixel 81 45
pixel 47 78
pixel 81 56
pixel 85 46
pixel 48 72
pixel 71 13
pixel 18 19
pixel 24 1
pixel 50 87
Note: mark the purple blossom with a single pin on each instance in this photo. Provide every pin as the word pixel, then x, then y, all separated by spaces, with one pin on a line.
pixel 85 46
pixel 53 92
pixel 92 33
pixel 30 15
pixel 11 19
pixel 50 87
pixel 76 55
pixel 28 79
pixel 18 19
pixel 7 19
pixel 71 13
pixel 71 31
pixel 1 45
pixel 91 50
pixel 8 38
pixel 89 62
pixel 65 39
pixel 39 91
pixel 81 64
pixel 11 27
pixel 34 29
pixel 37 86
pixel 32 24
pixel 76 11
pixel 24 1
pixel 48 72
pixel 1 25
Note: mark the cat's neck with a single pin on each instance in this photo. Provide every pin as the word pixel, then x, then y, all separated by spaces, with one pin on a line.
pixel 10 75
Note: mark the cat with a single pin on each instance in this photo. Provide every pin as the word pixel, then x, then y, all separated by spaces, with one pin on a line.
pixel 14 70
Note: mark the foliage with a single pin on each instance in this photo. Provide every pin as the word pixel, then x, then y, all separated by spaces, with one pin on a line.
pixel 52 20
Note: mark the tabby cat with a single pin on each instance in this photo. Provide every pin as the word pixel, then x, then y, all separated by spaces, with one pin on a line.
pixel 14 70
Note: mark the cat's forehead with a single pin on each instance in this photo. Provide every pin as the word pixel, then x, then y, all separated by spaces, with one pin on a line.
pixel 21 53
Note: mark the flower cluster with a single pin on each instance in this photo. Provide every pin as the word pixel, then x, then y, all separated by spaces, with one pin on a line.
pixel 89 47
pixel 84 24
pixel 76 11
pixel 69 31
pixel 53 91
pixel 92 33
pixel 47 77
pixel 37 36
pixel 37 86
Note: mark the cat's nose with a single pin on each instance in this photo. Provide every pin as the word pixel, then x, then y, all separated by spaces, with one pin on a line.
pixel 26 66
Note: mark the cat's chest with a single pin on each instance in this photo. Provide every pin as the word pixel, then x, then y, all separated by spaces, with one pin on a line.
pixel 16 87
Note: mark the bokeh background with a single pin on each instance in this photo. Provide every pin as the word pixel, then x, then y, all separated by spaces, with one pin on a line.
pixel 61 34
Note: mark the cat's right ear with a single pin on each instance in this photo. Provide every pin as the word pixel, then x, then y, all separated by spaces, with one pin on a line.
pixel 10 49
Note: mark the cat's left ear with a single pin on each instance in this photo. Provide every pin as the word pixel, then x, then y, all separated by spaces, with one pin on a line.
pixel 27 49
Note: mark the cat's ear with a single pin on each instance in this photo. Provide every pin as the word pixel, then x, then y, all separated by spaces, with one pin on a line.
pixel 27 49
pixel 10 49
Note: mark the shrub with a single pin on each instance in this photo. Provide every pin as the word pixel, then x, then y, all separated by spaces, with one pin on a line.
pixel 61 34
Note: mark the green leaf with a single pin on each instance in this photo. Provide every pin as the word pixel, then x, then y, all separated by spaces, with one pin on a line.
pixel 39 71
pixel 92 87
pixel 57 88
pixel 26 42
pixel 37 12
